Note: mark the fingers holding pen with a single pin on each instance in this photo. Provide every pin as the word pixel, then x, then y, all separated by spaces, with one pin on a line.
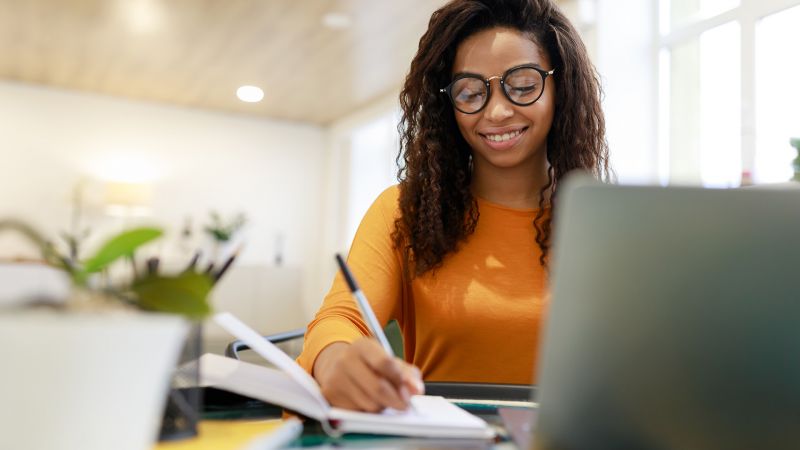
pixel 385 378
pixel 393 385
pixel 404 377
pixel 412 379
pixel 379 392
pixel 348 395
pixel 378 360
pixel 336 370
pixel 358 396
pixel 362 376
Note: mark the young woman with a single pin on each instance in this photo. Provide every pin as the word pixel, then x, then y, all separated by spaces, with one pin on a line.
pixel 500 103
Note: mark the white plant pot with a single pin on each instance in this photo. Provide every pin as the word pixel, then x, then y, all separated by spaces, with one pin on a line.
pixel 79 381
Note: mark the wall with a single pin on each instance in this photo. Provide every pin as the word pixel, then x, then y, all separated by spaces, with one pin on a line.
pixel 194 161
pixel 339 200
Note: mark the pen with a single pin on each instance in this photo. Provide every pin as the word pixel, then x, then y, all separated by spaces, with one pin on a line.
pixel 289 430
pixel 363 306
pixel 227 264
pixel 366 311
pixel 193 261
pixel 152 265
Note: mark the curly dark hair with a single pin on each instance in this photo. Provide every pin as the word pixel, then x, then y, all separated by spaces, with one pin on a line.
pixel 438 210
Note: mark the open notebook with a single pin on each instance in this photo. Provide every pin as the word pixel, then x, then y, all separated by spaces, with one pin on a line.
pixel 293 388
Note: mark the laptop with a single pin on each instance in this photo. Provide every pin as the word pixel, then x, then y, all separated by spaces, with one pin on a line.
pixel 674 321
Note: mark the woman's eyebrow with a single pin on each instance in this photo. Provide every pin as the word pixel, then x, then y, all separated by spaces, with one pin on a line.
pixel 457 74
pixel 468 72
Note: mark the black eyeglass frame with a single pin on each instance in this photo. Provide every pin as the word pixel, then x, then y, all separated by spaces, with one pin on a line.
pixel 488 82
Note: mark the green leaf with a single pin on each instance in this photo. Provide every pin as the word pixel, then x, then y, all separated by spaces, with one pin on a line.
pixel 185 294
pixel 123 244
pixel 26 230
pixel 49 252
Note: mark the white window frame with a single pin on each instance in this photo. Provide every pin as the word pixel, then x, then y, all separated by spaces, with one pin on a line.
pixel 747 14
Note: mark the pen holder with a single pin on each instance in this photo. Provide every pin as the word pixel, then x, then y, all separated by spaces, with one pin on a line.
pixel 185 398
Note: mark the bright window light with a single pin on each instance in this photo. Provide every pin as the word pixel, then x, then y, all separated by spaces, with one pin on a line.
pixel 373 147
pixel 777 96
pixel 677 13
pixel 720 106
pixel 705 109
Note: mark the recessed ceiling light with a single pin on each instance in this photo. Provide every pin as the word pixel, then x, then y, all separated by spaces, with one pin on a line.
pixel 144 16
pixel 337 20
pixel 250 94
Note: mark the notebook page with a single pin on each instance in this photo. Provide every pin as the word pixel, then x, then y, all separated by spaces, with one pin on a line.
pixel 263 383
pixel 431 416
pixel 271 353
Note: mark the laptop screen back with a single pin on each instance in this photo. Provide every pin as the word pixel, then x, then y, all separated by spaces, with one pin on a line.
pixel 674 322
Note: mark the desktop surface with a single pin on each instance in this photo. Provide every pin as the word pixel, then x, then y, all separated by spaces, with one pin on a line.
pixel 236 434
pixel 231 414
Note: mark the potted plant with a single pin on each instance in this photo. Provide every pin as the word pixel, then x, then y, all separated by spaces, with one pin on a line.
pixel 92 372
pixel 795 142
pixel 222 231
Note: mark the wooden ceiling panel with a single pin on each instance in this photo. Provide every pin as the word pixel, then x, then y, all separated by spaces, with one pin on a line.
pixel 196 53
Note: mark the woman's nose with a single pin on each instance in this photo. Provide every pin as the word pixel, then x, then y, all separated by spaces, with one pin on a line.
pixel 498 107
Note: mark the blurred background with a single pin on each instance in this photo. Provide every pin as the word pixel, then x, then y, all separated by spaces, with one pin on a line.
pixel 275 120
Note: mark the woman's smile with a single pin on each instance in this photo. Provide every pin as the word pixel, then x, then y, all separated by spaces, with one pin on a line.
pixel 503 138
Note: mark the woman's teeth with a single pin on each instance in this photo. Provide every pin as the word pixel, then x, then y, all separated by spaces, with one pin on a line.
pixel 503 137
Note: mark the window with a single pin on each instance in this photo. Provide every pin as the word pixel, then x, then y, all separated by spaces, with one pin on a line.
pixel 777 94
pixel 371 166
pixel 677 13
pixel 727 90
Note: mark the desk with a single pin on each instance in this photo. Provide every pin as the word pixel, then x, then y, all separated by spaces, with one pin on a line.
pixel 222 435
pixel 235 434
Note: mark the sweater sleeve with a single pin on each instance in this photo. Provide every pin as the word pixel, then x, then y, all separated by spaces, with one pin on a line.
pixel 376 265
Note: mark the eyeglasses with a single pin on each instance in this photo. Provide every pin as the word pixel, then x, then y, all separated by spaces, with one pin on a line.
pixel 522 86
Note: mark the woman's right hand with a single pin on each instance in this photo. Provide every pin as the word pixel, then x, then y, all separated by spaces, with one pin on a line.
pixel 361 376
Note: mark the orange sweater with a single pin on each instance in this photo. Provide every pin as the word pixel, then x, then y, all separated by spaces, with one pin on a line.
pixel 475 319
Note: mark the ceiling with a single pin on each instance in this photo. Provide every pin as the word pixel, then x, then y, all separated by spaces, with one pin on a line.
pixel 196 53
